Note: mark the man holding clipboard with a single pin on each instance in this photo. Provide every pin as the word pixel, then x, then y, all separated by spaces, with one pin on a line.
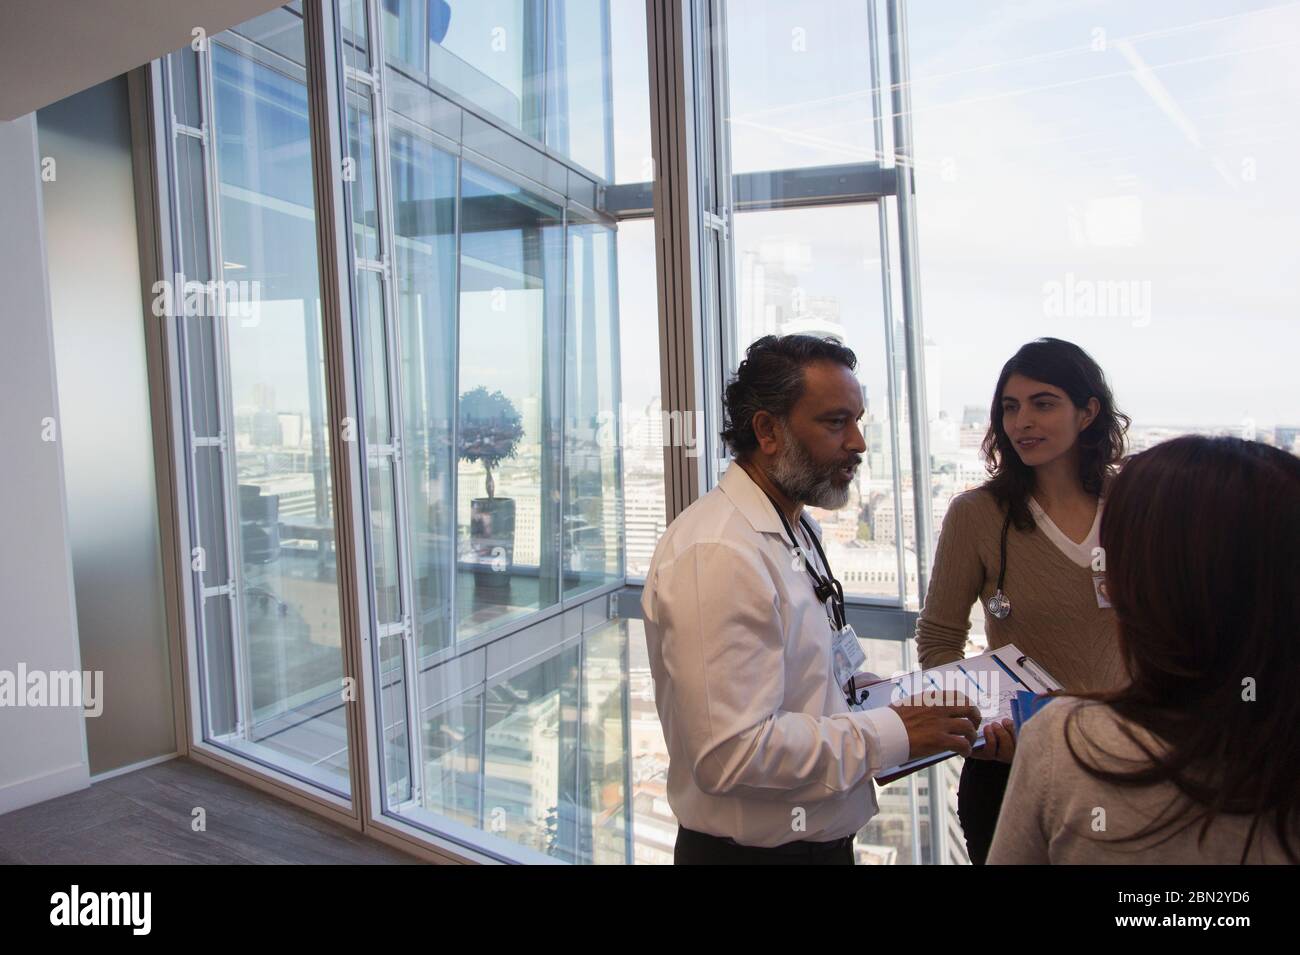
pixel 749 648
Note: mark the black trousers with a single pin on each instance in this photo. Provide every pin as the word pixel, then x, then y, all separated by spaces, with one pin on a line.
pixel 698 848
pixel 979 799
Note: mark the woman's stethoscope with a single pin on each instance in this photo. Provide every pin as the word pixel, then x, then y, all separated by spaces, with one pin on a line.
pixel 999 605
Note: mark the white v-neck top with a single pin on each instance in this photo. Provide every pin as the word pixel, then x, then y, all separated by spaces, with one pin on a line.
pixel 1080 553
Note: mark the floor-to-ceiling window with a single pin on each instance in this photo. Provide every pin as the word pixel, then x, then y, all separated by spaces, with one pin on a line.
pixel 486 316
pixel 257 463
pixel 500 346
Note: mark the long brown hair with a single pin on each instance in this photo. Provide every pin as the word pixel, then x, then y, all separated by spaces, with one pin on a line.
pixel 1066 366
pixel 1201 538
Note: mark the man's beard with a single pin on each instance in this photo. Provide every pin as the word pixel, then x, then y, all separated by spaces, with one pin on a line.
pixel 802 480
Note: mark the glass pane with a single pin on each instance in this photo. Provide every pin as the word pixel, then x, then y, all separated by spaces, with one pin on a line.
pixel 353 26
pixel 220 713
pixel 361 153
pixel 383 530
pixel 392 715
pixel 210 484
pixel 279 31
pixel 641 417
pixel 630 81
pixel 488 51
pixel 511 300
pixel 189 302
pixel 593 545
pixel 408 33
pixel 193 211
pixel 530 757
pixel 284 660
pixel 579 108
pixel 654 826
pixel 816 271
pixel 424 199
pixel 606 763
pixel 453 769
pixel 800 84
pixel 374 357
pixel 185 87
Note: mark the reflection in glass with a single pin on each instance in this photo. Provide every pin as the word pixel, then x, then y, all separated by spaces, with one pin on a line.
pixel 593 540
pixel 605 762
pixel 579 92
pixel 530 771
pixel 538 756
pixel 553 70
pixel 453 770
pixel 424 275
pixel 488 51
pixel 511 332
pixel 394 746
pixel 641 414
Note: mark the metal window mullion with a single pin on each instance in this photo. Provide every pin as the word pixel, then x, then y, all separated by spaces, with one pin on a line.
pixel 901 103
pixel 197 589
pixel 402 532
pixel 677 240
pixel 225 413
pixel 887 296
pixel 581 809
pixel 625 705
pixel 616 396
pixel 454 468
pixel 727 329
pixel 561 456
pixel 342 341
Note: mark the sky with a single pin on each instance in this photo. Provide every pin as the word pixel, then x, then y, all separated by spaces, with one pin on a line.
pixel 1066 151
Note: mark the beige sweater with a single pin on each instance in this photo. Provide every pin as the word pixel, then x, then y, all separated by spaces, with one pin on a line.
pixel 1054 613
pixel 1055 812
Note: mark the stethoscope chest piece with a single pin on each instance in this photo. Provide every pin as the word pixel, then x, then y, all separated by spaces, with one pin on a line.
pixel 999 606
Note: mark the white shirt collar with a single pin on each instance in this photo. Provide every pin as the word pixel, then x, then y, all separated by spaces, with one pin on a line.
pixel 752 501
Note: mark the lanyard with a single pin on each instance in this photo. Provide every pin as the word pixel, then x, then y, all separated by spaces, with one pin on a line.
pixel 826 588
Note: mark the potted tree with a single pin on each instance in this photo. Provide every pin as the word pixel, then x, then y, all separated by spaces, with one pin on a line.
pixel 490 432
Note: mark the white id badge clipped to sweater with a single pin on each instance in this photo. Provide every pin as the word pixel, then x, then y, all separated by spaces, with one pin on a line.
pixel 846 655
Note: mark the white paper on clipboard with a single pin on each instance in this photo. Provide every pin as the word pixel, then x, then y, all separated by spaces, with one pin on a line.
pixel 988 680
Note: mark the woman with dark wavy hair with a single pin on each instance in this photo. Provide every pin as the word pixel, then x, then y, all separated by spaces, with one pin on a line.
pixel 1054 439
pixel 1194 760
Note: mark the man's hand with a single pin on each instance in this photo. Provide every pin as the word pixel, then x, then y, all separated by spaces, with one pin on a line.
pixel 999 742
pixel 939 722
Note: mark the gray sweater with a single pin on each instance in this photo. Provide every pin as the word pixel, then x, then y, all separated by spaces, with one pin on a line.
pixel 1055 812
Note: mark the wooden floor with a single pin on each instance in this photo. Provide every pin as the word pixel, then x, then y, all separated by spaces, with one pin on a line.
pixel 144 817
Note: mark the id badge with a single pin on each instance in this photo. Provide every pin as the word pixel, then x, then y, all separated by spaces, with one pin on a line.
pixel 846 655
pixel 1099 587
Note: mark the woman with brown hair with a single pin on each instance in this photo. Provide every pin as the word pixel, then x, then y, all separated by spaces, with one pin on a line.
pixel 1024 544
pixel 1194 760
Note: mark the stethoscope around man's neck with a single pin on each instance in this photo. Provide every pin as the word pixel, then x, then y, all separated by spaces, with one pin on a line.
pixel 826 588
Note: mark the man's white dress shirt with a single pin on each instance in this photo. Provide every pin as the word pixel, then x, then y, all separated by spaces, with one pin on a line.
pixel 740 651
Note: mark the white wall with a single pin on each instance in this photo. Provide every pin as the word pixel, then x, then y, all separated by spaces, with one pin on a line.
pixel 106 438
pixel 43 749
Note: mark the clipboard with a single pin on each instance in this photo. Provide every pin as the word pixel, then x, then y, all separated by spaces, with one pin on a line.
pixel 992 681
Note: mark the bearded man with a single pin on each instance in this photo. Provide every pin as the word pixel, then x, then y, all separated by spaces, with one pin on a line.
pixel 769 763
